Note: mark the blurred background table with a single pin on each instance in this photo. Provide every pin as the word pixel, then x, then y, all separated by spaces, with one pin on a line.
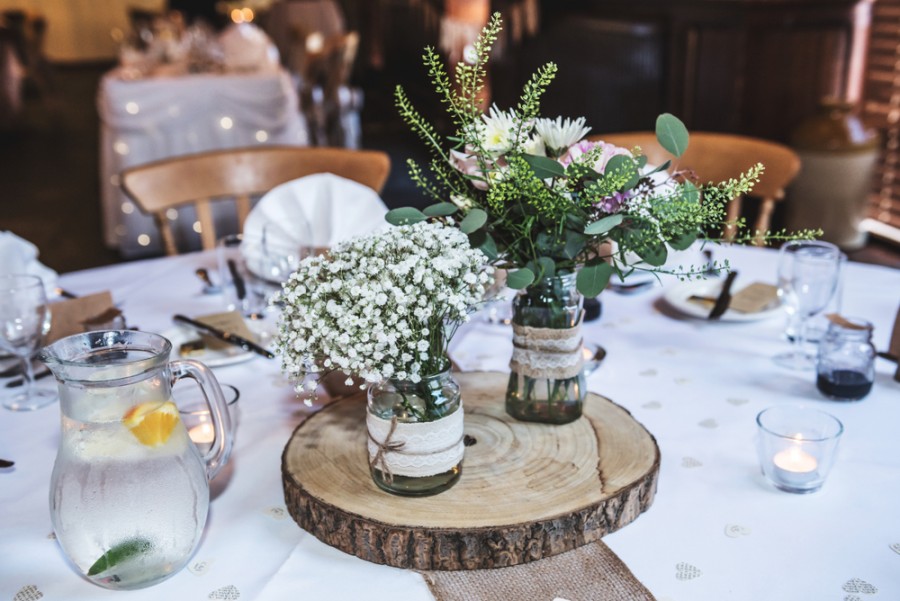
pixel 143 120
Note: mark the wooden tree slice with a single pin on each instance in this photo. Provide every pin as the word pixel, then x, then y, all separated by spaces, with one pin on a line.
pixel 527 491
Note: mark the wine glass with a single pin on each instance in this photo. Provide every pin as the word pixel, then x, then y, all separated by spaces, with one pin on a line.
pixel 808 274
pixel 24 320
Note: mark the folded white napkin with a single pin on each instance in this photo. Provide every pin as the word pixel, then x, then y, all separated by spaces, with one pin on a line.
pixel 246 47
pixel 317 211
pixel 18 255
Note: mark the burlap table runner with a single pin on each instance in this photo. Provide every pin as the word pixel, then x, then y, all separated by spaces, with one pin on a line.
pixel 590 573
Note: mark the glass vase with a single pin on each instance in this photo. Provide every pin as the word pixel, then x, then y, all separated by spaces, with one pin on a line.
pixel 415 434
pixel 546 383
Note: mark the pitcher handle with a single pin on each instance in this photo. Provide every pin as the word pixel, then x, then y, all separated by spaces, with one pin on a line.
pixel 218 454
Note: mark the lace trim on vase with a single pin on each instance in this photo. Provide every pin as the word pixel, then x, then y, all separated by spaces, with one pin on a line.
pixel 417 449
pixel 553 353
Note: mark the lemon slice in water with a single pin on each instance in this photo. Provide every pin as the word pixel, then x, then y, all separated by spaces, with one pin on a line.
pixel 152 423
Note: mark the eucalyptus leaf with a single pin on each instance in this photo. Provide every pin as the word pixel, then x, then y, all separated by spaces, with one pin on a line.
pixel 121 552
pixel 473 220
pixel 441 209
pixel 405 216
pixel 624 164
pixel 545 244
pixel 653 253
pixel 592 278
pixel 575 222
pixel 575 242
pixel 483 241
pixel 581 172
pixel 641 161
pixel 543 167
pixel 662 167
pixel 520 278
pixel 547 267
pixel 672 134
pixel 601 226
pixel 690 192
pixel 684 241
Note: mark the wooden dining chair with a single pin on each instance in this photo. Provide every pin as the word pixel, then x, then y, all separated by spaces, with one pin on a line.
pixel 716 157
pixel 238 174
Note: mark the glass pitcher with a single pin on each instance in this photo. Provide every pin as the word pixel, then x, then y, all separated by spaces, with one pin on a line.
pixel 129 493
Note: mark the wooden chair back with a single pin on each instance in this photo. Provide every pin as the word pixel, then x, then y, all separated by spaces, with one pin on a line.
pixel 716 157
pixel 238 174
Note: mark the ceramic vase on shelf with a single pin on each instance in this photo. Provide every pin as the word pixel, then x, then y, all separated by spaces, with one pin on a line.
pixel 831 192
pixel 546 383
pixel 415 434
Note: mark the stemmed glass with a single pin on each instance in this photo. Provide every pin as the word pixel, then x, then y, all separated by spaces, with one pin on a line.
pixel 24 320
pixel 808 274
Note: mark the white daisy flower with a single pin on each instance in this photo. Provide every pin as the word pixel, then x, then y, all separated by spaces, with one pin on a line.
pixel 558 134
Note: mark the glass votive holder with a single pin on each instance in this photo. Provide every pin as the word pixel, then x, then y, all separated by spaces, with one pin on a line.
pixel 797 446
pixel 196 417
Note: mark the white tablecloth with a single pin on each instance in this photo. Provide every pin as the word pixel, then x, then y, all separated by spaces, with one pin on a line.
pixel 160 117
pixel 715 530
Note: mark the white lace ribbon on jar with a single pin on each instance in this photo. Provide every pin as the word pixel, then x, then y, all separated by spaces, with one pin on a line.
pixel 415 450
pixel 553 353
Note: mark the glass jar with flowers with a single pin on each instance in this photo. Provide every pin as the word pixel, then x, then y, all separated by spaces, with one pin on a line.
pixel 384 308
pixel 560 212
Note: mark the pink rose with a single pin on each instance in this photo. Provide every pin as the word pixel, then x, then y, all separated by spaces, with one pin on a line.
pixel 579 149
pixel 467 163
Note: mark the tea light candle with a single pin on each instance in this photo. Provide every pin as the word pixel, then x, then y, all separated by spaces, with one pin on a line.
pixel 203 433
pixel 797 446
pixel 794 466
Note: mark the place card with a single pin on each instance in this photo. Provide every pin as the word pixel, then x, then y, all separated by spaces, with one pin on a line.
pixel 754 298
pixel 229 321
pixel 85 313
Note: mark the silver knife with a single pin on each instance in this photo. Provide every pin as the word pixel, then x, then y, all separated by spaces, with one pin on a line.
pixel 228 337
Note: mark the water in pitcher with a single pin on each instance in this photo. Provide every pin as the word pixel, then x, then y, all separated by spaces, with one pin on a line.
pixel 131 494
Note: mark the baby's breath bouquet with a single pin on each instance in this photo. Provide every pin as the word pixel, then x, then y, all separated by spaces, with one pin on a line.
pixel 383 306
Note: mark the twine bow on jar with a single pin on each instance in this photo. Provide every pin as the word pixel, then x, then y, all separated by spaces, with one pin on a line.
pixel 417 449
pixel 378 461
